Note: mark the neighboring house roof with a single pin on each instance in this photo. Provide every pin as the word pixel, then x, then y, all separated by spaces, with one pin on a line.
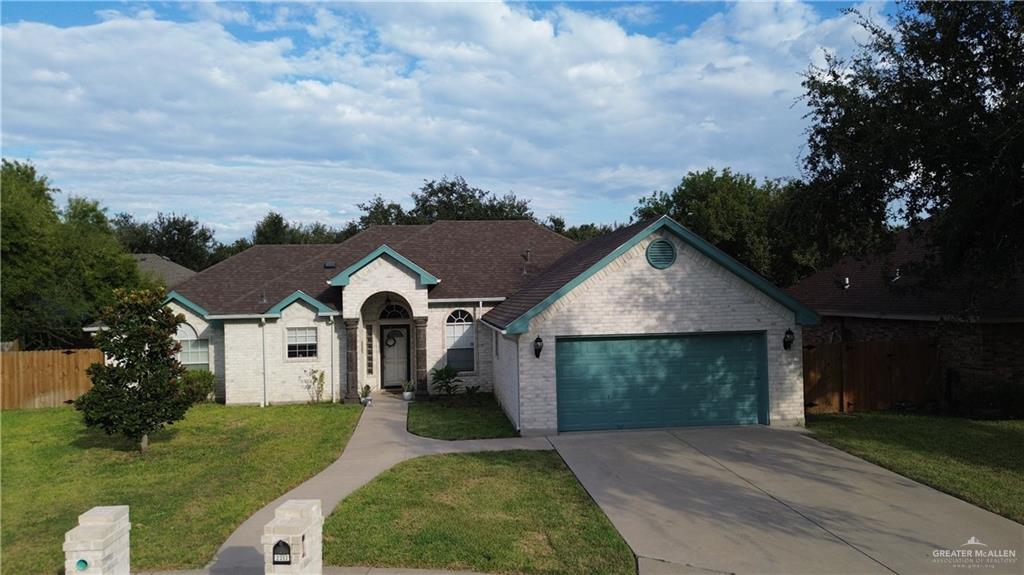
pixel 514 314
pixel 163 269
pixel 472 259
pixel 874 292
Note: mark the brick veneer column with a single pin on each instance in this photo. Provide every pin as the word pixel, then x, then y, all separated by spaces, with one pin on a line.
pixel 421 355
pixel 352 360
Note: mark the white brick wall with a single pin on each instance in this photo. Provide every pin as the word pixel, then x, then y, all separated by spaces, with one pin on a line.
pixel 215 334
pixel 630 297
pixel 245 353
pixel 437 350
pixel 383 274
pixel 506 374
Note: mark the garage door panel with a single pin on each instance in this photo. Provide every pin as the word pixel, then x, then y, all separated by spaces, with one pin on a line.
pixel 623 382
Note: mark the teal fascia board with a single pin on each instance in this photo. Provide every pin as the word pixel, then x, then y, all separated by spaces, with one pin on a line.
pixel 186 303
pixel 299 295
pixel 804 315
pixel 426 278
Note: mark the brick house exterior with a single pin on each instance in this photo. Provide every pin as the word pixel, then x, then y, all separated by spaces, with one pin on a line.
pixel 394 302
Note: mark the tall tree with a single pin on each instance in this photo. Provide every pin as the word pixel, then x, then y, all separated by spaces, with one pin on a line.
pixel 727 209
pixel 273 229
pixel 381 212
pixel 30 226
pixel 59 268
pixel 928 118
pixel 179 238
pixel 454 199
pixel 580 232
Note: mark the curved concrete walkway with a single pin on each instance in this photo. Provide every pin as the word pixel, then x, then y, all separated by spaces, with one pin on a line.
pixel 379 442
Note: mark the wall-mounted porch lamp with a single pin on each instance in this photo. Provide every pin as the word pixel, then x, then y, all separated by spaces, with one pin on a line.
pixel 788 339
pixel 538 345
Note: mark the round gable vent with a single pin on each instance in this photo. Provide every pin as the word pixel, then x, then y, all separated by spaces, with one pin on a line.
pixel 661 254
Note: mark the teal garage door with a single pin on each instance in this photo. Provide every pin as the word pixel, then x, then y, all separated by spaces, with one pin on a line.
pixel 661 381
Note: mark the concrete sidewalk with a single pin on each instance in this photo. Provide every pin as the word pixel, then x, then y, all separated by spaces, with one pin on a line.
pixel 379 442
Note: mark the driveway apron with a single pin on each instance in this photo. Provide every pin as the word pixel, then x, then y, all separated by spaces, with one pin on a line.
pixel 760 500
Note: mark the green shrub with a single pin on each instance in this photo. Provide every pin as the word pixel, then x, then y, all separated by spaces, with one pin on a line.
pixel 197 385
pixel 446 379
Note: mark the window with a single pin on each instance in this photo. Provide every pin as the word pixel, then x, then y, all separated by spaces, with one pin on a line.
pixel 195 352
pixel 460 338
pixel 497 348
pixel 369 349
pixel 302 342
pixel 394 311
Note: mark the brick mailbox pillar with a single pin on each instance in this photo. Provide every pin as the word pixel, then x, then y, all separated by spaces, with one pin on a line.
pixel 99 544
pixel 293 540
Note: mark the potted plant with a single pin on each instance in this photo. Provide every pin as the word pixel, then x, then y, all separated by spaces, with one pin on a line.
pixel 408 390
pixel 364 396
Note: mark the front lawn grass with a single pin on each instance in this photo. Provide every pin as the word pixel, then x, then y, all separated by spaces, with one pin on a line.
pixel 981 462
pixel 475 416
pixel 495 512
pixel 199 480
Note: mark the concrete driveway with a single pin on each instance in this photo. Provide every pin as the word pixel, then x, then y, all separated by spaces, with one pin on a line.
pixel 760 500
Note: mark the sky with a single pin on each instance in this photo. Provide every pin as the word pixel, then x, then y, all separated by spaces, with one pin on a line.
pixel 225 111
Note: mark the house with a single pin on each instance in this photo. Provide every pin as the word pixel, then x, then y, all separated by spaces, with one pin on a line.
pixel 162 269
pixel 648 326
pixel 879 298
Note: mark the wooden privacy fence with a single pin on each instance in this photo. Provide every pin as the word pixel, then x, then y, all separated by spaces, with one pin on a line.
pixel 48 378
pixel 875 375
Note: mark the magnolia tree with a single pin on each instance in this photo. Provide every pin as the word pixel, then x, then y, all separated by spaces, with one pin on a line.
pixel 138 389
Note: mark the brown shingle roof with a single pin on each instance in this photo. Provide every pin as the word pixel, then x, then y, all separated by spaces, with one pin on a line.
pixel 558 274
pixel 163 269
pixel 873 293
pixel 472 258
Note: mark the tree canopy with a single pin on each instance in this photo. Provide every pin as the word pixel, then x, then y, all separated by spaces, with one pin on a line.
pixel 927 119
pixel 179 238
pixel 59 267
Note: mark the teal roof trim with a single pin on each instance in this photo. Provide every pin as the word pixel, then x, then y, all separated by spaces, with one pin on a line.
pixel 186 303
pixel 302 296
pixel 804 315
pixel 343 277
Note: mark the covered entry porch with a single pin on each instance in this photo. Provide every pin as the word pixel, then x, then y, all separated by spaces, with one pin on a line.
pixel 386 346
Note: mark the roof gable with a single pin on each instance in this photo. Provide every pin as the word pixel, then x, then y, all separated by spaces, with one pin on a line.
pixel 595 255
pixel 343 277
pixel 301 296
pixel 186 303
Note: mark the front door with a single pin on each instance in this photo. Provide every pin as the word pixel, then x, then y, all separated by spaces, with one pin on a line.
pixel 394 355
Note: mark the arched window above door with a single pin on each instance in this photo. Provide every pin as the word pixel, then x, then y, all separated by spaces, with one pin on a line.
pixel 394 311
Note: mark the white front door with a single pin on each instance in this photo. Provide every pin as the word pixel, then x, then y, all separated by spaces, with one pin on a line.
pixel 394 350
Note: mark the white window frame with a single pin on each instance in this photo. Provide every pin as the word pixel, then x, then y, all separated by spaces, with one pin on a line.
pixel 193 348
pixel 460 333
pixel 299 336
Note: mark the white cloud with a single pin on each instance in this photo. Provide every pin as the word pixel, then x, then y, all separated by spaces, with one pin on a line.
pixel 638 14
pixel 563 106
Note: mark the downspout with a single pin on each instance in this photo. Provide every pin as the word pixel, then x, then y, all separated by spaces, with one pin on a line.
pixel 263 337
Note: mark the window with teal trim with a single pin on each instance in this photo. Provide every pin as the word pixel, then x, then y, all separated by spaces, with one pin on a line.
pixel 661 254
